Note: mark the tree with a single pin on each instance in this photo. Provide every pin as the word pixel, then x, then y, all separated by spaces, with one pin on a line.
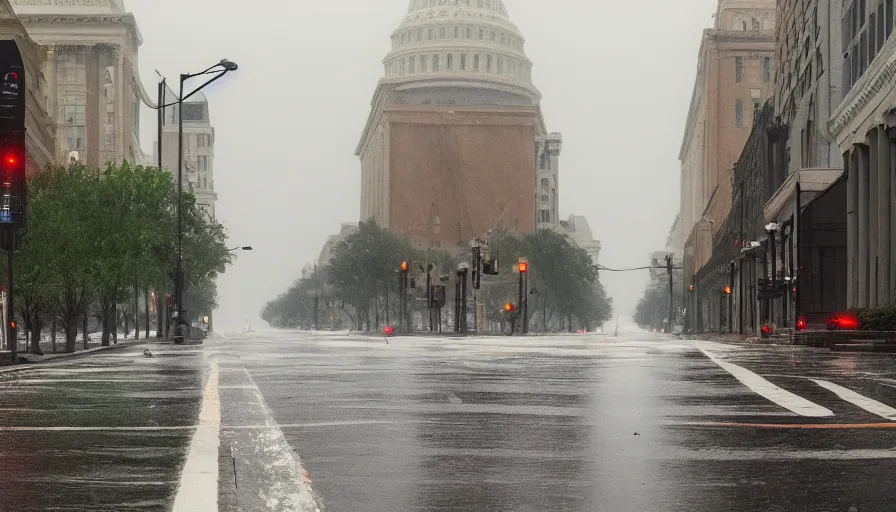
pixel 98 235
pixel 652 311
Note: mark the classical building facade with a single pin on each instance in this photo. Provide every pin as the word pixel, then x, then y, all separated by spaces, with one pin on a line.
pixel 734 80
pixel 804 161
pixel 199 147
pixel 92 86
pixel 447 151
pixel 40 135
pixel 864 126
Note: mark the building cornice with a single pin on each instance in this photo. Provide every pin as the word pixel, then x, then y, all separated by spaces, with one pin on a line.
pixel 878 78
pixel 127 20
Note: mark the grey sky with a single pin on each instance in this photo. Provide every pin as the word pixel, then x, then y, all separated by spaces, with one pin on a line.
pixel 616 80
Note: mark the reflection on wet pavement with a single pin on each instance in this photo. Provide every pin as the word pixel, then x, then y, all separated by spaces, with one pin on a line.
pixel 106 433
pixel 573 423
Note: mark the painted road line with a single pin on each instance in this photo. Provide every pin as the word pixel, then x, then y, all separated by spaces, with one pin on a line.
pixel 198 489
pixel 870 405
pixel 787 426
pixel 271 465
pixel 769 391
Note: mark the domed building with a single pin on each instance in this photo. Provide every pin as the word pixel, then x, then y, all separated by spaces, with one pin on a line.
pixel 455 144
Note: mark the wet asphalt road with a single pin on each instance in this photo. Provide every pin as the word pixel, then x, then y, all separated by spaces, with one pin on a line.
pixel 353 424
pixel 100 433
pixel 574 423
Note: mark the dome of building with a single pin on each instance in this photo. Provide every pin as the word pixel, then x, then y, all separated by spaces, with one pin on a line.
pixel 459 41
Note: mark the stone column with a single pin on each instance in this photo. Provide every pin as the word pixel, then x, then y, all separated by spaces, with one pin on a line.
pixel 93 110
pixel 874 260
pixel 862 160
pixel 852 190
pixel 884 217
pixel 119 130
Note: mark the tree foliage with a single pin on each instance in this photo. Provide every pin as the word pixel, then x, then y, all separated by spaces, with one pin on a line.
pixel 652 311
pixel 361 281
pixel 93 236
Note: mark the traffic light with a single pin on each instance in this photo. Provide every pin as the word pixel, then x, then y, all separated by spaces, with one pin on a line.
pixel 490 267
pixel 727 290
pixel 509 307
pixel 12 136
pixel 405 267
pixel 522 267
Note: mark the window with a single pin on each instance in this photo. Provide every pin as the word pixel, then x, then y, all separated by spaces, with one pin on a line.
pixel 429 35
pixel 412 65
pixel 872 36
pixel 503 38
pixel 202 140
pixel 544 216
pixel 757 108
pixel 744 26
pixel 449 62
pixel 193 111
pixel 767 70
pixel 202 163
pixel 469 33
pixel 435 62
pixel 889 19
pixel 442 33
pixel 423 63
pixel 739 69
pixel 463 62
pixel 501 65
pixel 488 63
pixel 756 24
pixel 492 36
pixel 76 137
pixel 110 117
pixel 456 33
pixel 545 183
pixel 481 34
pixel 545 198
pixel 401 67
pixel 739 113
pixel 476 62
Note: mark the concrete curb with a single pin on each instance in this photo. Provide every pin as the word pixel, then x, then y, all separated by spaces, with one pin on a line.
pixel 52 358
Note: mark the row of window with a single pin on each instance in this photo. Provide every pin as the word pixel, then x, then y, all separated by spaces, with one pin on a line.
pixel 864 33
pixel 492 5
pixel 434 63
pixel 766 70
pixel 465 32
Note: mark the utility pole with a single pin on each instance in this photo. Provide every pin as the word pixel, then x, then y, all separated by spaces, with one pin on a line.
pixel 731 301
pixel 429 295
pixel 671 294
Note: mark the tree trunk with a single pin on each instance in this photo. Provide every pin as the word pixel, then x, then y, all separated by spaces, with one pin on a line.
pixel 146 306
pixel 160 320
pixel 107 321
pixel 84 332
pixel 137 312
pixel 115 323
pixel 70 323
pixel 126 326
pixel 53 334
pixel 37 326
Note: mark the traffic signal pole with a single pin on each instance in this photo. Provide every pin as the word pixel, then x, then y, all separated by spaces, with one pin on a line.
pixel 11 310
pixel 671 295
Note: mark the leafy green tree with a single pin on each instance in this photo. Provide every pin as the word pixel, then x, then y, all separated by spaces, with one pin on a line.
pixel 652 311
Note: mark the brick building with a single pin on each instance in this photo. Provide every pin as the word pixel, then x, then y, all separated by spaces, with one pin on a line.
pixel 734 80
pixel 455 144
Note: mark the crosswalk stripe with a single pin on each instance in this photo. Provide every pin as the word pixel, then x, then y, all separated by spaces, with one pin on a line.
pixel 766 389
pixel 870 405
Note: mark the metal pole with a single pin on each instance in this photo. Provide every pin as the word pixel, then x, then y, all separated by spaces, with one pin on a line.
pixel 429 297
pixel 11 311
pixel 316 313
pixel 400 301
pixel 463 309
pixel 179 275
pixel 163 85
pixel 731 303
pixel 797 275
pixel 522 320
pixel 771 237
pixel 457 304
pixel 671 295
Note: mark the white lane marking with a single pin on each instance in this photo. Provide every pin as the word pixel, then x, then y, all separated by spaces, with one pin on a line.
pixel 289 486
pixel 198 489
pixel 870 405
pixel 766 389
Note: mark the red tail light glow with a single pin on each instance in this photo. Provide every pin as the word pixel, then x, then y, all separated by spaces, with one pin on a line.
pixel 843 322
pixel 801 324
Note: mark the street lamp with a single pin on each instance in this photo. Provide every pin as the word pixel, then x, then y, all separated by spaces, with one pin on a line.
pixel 218 70
pixel 246 248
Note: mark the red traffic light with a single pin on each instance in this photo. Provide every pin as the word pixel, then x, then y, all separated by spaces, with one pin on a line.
pixel 727 290
pixel 802 324
pixel 523 267
pixel 509 307
pixel 404 266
